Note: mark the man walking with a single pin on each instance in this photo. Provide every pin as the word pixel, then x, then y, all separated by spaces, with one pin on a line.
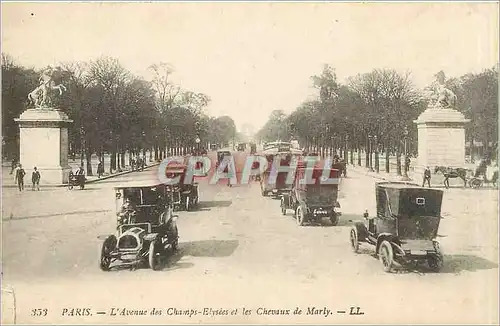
pixel 427 177
pixel 100 169
pixel 35 179
pixel 20 173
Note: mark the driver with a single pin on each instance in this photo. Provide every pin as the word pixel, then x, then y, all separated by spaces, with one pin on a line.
pixel 128 212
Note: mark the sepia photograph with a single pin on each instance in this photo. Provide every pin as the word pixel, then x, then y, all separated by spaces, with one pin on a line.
pixel 249 163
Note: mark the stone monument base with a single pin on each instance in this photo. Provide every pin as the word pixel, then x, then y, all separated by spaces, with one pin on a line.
pixel 44 144
pixel 441 139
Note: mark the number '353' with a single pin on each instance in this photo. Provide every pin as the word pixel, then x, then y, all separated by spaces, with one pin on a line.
pixel 39 312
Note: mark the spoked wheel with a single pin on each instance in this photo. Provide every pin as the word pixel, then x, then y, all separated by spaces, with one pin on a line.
pixel 107 247
pixel 197 199
pixel 299 215
pixel 354 240
pixel 334 219
pixel 386 255
pixel 263 191
pixel 154 256
pixel 435 263
pixel 283 207
pixel 175 242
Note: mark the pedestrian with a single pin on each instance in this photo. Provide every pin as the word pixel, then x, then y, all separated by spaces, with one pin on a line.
pixel 20 173
pixel 13 166
pixel 407 164
pixel 35 179
pixel 427 177
pixel 100 169
pixel 80 176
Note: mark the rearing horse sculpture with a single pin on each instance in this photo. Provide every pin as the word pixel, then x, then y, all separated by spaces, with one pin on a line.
pixel 41 96
pixel 452 173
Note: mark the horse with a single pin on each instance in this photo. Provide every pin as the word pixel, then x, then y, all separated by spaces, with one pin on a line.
pixel 40 96
pixel 452 173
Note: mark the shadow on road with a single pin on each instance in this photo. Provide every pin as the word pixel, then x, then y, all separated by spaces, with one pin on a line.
pixel 208 248
pixel 214 203
pixel 453 264
pixel 470 263
pixel 203 248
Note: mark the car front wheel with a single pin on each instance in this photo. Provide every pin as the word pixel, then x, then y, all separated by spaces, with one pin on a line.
pixel 299 215
pixel 386 255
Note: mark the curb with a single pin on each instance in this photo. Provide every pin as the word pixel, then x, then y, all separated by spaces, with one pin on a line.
pixel 27 186
pixel 377 176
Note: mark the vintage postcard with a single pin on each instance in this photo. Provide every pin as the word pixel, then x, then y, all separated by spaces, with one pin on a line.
pixel 249 163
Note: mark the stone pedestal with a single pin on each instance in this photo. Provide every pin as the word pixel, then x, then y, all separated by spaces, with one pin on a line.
pixel 441 139
pixel 44 144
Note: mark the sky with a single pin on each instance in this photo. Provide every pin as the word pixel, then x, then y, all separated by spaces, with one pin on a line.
pixel 253 58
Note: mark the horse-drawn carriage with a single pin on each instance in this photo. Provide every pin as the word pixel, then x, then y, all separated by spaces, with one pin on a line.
pixel 472 178
pixel 146 227
pixel 271 180
pixel 314 200
pixel 405 227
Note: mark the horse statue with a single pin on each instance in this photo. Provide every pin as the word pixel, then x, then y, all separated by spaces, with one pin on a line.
pixel 41 96
pixel 452 173
pixel 441 96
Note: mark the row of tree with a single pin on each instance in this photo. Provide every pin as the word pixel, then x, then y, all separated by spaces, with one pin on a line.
pixel 115 111
pixel 374 112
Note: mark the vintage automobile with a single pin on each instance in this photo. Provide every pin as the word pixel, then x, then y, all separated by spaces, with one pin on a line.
pixel 405 227
pixel 314 201
pixel 242 147
pixel 285 153
pixel 183 195
pixel 146 227
pixel 253 148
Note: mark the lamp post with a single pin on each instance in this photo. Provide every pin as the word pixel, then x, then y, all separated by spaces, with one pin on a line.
pixel 405 174
pixel 370 149
pixel 82 145
pixel 367 152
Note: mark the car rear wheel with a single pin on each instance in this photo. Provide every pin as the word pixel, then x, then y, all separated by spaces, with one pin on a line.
pixel 354 240
pixel 334 219
pixel 386 255
pixel 435 263
pixel 283 207
pixel 299 215
pixel 187 203
pixel 154 256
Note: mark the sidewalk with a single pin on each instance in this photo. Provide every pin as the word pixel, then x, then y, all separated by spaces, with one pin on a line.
pixel 8 179
pixel 382 175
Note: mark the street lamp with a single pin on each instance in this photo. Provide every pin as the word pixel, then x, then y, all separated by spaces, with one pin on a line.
pixel 82 145
pixel 370 149
pixel 198 140
pixel 405 175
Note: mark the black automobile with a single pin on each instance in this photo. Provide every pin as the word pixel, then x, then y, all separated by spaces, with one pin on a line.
pixel 313 202
pixel 404 230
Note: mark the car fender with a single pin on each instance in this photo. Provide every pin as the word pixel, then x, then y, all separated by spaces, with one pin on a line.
pixel 381 237
pixel 361 230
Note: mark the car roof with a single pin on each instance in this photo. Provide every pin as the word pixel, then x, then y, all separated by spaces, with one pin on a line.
pixel 140 184
pixel 397 184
